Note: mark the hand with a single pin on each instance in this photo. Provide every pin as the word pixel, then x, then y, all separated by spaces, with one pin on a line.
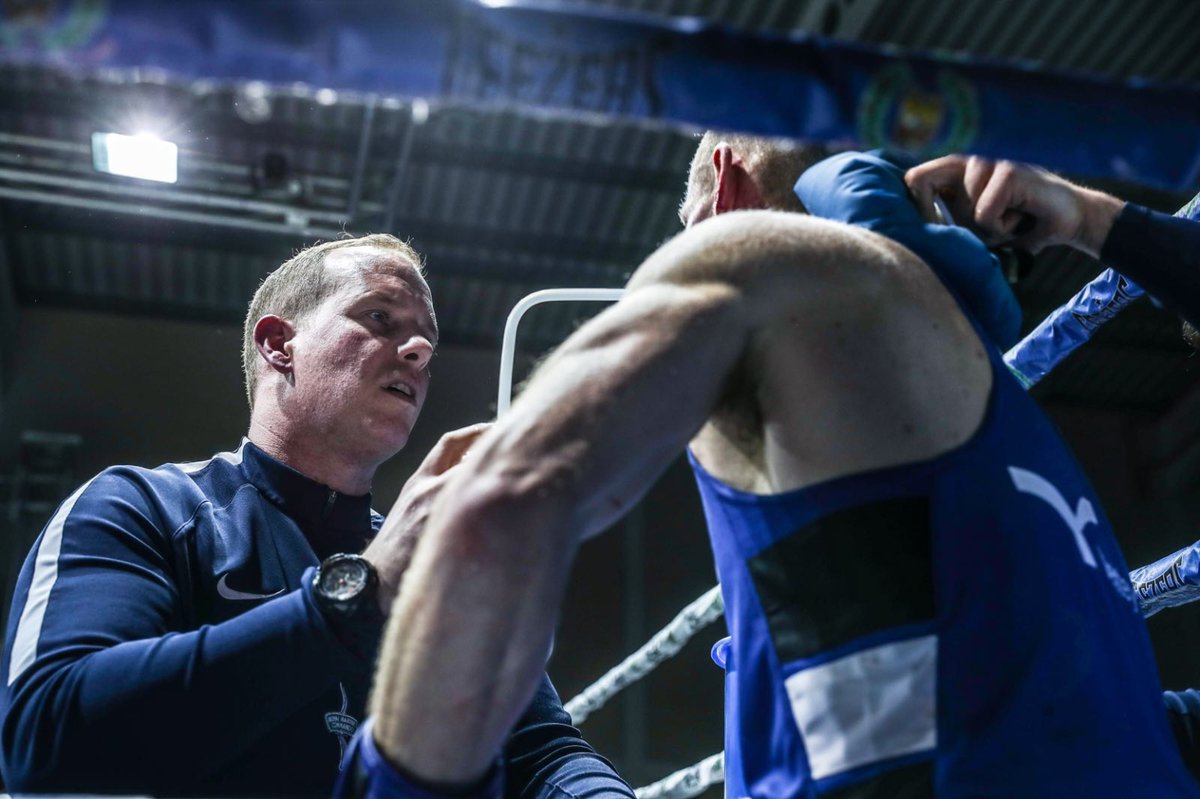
pixel 392 549
pixel 1007 203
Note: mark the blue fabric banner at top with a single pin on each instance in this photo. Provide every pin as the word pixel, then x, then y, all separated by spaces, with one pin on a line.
pixel 680 73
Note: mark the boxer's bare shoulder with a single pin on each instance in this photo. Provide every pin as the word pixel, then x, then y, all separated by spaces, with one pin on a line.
pixel 856 357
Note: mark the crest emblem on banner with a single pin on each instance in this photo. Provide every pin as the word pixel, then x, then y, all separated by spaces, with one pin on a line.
pixel 50 25
pixel 898 112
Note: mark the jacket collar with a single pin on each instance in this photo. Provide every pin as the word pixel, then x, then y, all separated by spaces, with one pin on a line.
pixel 327 517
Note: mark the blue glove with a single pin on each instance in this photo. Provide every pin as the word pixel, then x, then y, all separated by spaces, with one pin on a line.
pixel 864 189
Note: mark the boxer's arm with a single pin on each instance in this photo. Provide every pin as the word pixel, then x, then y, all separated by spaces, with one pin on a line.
pixel 601 419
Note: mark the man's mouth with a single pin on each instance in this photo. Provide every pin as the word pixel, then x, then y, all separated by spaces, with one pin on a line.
pixel 402 389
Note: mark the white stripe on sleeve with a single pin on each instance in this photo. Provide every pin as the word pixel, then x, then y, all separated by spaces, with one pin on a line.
pixel 45 574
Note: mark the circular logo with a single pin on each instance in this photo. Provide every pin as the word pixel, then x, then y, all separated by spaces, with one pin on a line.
pixel 897 112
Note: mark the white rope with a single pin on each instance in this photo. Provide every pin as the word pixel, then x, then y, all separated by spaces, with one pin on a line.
pixel 688 782
pixel 666 643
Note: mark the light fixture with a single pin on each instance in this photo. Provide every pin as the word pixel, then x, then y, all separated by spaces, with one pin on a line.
pixel 142 156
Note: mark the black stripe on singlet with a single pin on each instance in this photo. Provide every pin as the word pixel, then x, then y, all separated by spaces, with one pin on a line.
pixel 914 781
pixel 848 574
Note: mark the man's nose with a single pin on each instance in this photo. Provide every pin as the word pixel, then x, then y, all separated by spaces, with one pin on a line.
pixel 417 351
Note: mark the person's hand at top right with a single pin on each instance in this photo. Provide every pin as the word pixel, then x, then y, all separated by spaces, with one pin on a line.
pixel 1012 204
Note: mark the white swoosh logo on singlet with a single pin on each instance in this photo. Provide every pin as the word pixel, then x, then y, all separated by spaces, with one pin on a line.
pixel 1084 514
pixel 229 593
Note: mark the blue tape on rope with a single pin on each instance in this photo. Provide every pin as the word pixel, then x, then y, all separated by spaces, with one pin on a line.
pixel 1069 327
pixel 1168 582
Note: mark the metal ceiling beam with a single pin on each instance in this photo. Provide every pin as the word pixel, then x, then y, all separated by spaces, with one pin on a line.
pixel 297 216
pixel 217 220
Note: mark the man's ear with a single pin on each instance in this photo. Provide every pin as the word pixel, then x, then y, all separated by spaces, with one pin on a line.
pixel 736 188
pixel 272 337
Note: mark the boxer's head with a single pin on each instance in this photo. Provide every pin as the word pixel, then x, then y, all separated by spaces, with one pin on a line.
pixel 735 172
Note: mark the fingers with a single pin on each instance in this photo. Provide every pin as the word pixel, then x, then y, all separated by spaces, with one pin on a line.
pixel 976 174
pixel 453 446
pixel 987 196
pixel 997 207
pixel 936 174
pixel 941 177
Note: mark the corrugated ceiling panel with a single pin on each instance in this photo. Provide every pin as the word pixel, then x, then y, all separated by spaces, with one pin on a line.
pixel 98 270
pixel 1138 38
pixel 1152 39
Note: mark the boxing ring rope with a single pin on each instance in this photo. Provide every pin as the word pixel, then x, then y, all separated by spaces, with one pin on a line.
pixel 665 644
pixel 687 782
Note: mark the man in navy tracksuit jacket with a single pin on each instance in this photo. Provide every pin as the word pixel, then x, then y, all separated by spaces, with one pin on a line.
pixel 167 635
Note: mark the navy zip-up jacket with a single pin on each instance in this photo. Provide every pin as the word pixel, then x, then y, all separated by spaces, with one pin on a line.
pixel 163 639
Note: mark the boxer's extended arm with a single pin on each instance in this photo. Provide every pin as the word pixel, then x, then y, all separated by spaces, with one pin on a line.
pixel 601 419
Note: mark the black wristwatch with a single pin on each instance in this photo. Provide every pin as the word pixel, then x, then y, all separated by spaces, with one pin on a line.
pixel 346 584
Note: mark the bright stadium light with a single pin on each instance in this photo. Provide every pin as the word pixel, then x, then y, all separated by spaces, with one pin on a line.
pixel 142 156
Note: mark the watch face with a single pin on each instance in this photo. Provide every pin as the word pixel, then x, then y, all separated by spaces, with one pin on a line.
pixel 344 580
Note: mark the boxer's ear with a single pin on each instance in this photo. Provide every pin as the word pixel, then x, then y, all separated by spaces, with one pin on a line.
pixel 737 190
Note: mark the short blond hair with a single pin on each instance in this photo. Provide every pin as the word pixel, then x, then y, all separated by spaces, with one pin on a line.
pixel 774 163
pixel 299 285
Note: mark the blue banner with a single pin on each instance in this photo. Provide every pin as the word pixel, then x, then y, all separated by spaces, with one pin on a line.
pixel 685 73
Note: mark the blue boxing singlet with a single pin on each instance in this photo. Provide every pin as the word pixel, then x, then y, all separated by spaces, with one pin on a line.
pixel 958 627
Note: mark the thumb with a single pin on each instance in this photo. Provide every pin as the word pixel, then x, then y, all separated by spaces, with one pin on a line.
pixel 454 445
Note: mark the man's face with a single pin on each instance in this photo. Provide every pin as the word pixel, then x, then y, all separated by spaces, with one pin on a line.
pixel 361 357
